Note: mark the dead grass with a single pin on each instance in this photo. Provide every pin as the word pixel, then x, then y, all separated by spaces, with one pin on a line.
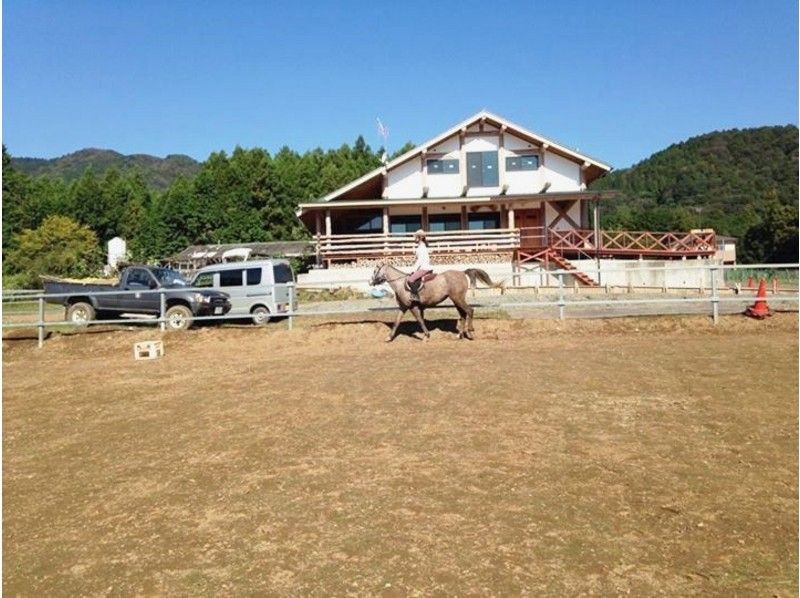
pixel 642 456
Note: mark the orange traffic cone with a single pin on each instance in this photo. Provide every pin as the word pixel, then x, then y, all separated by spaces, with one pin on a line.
pixel 759 309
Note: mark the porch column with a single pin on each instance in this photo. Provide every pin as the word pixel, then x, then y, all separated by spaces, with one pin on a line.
pixel 327 223
pixel 385 230
pixel 596 219
pixel 318 223
pixel 424 217
pixel 511 217
pixel 464 219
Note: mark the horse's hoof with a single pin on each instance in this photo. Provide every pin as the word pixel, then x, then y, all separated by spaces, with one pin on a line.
pixel 389 338
pixel 426 338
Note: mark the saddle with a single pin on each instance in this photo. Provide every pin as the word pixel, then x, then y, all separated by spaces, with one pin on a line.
pixel 416 286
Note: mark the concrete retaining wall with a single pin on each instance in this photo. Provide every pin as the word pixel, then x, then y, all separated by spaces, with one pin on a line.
pixel 656 274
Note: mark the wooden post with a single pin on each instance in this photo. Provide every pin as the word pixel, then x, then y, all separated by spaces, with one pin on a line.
pixel 511 217
pixel 596 221
pixel 327 223
pixel 464 220
pixel 318 251
pixel 385 230
pixel 424 217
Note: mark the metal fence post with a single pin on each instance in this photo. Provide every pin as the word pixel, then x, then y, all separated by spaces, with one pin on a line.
pixel 561 302
pixel 162 311
pixel 290 287
pixel 41 322
pixel 714 295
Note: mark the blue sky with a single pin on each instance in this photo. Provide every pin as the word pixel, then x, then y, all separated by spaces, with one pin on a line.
pixel 618 80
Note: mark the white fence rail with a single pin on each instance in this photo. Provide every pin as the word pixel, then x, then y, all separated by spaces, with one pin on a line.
pixel 560 301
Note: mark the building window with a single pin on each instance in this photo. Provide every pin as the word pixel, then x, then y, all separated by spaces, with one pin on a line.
pixel 365 222
pixel 482 169
pixel 405 224
pixel 484 220
pixel 527 162
pixel 443 222
pixel 442 166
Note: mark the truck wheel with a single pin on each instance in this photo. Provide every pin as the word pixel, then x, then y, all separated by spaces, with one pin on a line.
pixel 179 317
pixel 80 313
pixel 260 315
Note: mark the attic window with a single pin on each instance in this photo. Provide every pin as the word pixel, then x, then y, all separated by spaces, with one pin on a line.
pixel 526 162
pixel 442 166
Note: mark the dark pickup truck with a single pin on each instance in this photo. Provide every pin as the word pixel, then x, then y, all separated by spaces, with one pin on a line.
pixel 86 302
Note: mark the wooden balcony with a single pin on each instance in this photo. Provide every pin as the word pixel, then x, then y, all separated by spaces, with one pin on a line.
pixel 519 242
pixel 633 243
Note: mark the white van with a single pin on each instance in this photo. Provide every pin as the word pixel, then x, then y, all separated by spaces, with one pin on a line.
pixel 257 288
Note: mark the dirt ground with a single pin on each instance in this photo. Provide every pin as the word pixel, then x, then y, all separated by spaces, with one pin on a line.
pixel 643 456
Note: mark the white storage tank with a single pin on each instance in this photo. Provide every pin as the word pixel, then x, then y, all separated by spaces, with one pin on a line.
pixel 117 250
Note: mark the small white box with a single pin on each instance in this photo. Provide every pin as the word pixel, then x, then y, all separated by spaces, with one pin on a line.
pixel 148 350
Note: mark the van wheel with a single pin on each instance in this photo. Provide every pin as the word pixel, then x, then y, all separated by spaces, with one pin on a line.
pixel 179 317
pixel 80 313
pixel 260 316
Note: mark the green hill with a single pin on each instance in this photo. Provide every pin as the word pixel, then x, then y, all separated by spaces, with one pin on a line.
pixel 158 173
pixel 741 182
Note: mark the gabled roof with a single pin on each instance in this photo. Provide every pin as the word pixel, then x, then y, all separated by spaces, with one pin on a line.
pixel 482 116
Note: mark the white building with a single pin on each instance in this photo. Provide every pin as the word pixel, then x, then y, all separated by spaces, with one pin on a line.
pixel 489 192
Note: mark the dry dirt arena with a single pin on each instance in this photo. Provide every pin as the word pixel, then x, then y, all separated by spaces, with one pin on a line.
pixel 638 456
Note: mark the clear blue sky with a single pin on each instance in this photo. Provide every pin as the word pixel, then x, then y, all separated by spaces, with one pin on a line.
pixel 618 80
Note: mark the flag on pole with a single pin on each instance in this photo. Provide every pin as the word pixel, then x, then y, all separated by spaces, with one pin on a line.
pixel 382 131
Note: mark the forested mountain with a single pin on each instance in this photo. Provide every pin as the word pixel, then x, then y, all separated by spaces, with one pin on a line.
pixel 742 183
pixel 157 173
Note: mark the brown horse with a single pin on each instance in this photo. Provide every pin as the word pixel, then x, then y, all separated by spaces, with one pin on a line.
pixel 452 284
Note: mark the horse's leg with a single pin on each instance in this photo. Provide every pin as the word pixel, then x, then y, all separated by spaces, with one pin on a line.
pixel 400 313
pixel 465 308
pixel 462 320
pixel 415 309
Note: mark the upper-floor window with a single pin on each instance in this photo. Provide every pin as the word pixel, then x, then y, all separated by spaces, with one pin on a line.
pixel 442 166
pixel 482 169
pixel 527 162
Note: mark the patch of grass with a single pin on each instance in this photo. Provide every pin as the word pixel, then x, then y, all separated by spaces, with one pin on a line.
pixel 335 294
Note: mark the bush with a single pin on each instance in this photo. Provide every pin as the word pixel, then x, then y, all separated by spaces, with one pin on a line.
pixel 59 247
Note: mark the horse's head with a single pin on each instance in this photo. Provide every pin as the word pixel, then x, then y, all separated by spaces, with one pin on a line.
pixel 378 275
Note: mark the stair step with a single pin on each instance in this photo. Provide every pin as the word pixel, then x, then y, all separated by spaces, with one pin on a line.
pixel 564 264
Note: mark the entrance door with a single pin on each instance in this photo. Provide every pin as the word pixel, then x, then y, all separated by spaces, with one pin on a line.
pixel 531 228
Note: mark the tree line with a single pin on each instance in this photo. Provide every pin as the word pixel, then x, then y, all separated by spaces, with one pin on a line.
pixel 247 196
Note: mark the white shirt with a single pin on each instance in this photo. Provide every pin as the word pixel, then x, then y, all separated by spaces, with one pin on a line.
pixel 423 259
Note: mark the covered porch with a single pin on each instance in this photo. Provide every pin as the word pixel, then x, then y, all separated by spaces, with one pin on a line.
pixel 516 228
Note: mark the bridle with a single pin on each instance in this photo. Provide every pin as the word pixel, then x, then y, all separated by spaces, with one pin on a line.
pixel 393 279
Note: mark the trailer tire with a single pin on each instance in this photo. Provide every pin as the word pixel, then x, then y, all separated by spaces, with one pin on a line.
pixel 80 313
pixel 179 317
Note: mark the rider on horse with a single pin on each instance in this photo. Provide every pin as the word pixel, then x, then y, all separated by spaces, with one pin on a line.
pixel 421 267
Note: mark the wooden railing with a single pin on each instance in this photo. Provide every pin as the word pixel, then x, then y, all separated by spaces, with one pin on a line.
pixel 339 247
pixel 626 243
pixel 644 243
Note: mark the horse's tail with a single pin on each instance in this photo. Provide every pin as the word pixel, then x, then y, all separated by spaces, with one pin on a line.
pixel 475 274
